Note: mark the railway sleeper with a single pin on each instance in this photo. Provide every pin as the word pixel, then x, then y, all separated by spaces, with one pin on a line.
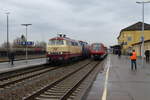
pixel 49 96
pixel 56 93
pixel 60 89
pixel 41 98
pixel 52 91
pixel 71 97
pixel 65 85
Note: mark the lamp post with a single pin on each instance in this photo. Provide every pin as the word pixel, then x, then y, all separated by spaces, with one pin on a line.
pixel 7 14
pixel 26 25
pixel 142 34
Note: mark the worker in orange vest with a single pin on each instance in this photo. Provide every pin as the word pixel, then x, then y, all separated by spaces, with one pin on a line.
pixel 133 58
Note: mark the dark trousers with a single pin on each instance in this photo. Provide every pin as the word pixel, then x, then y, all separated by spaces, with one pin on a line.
pixel 147 58
pixel 12 61
pixel 133 63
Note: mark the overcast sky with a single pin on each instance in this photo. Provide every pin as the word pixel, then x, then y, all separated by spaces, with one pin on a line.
pixel 89 20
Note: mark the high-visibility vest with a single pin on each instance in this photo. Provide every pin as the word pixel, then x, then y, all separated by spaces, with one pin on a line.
pixel 133 57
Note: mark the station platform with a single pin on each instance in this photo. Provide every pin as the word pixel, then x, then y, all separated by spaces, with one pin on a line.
pixel 6 66
pixel 119 82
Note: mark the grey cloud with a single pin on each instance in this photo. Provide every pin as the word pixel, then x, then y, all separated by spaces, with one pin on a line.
pixel 89 20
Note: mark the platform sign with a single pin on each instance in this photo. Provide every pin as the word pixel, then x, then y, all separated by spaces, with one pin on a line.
pixel 26 43
pixel 23 43
pixel 142 38
pixel 29 43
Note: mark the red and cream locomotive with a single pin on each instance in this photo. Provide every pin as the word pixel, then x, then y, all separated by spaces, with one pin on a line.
pixel 62 48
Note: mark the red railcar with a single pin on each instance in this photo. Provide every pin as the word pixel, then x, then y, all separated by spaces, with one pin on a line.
pixel 98 51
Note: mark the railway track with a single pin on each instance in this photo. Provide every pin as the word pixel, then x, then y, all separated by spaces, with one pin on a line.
pixel 66 87
pixel 17 86
pixel 21 71
pixel 13 79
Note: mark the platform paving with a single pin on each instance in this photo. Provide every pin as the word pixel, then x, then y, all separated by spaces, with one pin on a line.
pixel 121 83
pixel 6 66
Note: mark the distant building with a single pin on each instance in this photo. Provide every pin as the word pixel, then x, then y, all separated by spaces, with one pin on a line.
pixel 130 37
pixel 115 49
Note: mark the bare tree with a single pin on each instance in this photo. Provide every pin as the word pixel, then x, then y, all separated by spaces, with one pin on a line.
pixel 41 44
pixel 4 45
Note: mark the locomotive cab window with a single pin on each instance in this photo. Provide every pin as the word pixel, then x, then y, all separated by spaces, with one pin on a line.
pixel 56 42
pixel 68 43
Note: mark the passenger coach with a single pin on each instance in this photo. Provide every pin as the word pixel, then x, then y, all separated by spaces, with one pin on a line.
pixel 62 48
pixel 85 49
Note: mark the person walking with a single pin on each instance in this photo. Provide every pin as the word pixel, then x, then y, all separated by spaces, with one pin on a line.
pixel 119 53
pixel 147 53
pixel 12 57
pixel 133 58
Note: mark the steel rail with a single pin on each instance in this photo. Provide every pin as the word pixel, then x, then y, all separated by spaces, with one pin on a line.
pixel 69 92
pixel 17 72
pixel 26 74
pixel 7 83
pixel 45 88
pixel 35 94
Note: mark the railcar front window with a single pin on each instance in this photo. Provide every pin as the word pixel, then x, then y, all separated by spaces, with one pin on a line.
pixel 96 47
pixel 56 42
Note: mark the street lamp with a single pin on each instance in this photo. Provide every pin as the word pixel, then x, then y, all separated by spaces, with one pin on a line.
pixel 142 36
pixel 26 25
pixel 7 14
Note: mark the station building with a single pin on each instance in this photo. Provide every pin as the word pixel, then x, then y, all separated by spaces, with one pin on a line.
pixel 130 38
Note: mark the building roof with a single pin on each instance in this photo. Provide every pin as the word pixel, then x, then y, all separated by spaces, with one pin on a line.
pixel 135 27
pixel 115 46
pixel 140 42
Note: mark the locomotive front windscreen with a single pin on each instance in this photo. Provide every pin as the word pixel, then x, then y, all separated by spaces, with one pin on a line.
pixel 56 42
pixel 96 47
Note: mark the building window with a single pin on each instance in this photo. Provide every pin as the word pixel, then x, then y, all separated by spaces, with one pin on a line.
pixel 124 43
pixel 129 38
pixel 124 35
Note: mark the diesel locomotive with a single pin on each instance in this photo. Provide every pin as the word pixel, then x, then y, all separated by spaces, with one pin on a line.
pixel 62 48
